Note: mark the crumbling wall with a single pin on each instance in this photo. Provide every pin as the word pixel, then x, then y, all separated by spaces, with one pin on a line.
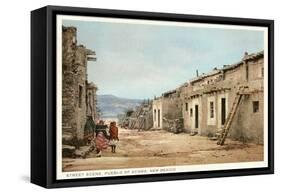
pixel 74 88
pixel 68 90
pixel 80 69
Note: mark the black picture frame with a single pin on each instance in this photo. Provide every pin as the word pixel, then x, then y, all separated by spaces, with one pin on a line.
pixel 43 95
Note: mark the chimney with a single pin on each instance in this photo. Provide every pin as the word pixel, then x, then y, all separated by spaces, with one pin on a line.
pixel 197 73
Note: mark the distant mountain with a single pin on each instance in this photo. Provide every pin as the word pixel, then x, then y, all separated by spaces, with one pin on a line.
pixel 111 105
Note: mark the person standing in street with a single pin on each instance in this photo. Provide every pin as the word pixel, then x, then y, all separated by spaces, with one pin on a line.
pixel 113 136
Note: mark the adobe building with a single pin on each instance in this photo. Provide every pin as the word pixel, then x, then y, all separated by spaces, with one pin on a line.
pixel 78 96
pixel 166 107
pixel 205 102
pixel 209 98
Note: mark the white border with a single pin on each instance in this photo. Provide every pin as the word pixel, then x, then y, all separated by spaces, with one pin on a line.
pixel 153 170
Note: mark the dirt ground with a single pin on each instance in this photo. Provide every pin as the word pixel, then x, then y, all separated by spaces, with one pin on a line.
pixel 161 148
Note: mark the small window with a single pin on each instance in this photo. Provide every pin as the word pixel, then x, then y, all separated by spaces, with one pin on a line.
pixel 211 109
pixel 262 72
pixel 255 106
pixel 80 96
pixel 191 112
pixel 154 115
pixel 186 106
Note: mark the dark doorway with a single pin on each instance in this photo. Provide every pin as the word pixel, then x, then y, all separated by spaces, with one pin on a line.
pixel 223 111
pixel 196 117
pixel 158 117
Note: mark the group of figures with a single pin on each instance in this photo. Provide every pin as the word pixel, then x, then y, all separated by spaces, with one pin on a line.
pixel 104 137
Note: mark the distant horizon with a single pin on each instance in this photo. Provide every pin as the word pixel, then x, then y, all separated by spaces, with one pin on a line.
pixel 140 61
pixel 124 97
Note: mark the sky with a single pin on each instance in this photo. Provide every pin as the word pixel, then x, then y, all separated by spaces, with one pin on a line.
pixel 140 61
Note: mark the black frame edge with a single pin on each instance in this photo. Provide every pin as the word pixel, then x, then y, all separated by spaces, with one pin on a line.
pixel 159 15
pixel 38 97
pixel 271 96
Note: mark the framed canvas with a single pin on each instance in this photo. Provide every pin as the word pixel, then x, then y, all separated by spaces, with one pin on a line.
pixel 126 96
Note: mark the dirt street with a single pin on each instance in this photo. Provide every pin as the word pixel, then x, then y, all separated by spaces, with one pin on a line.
pixel 161 148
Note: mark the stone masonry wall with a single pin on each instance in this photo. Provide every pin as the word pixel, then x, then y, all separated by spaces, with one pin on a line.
pixel 74 86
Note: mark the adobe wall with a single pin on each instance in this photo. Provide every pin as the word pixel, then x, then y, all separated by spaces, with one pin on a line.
pixel 247 125
pixel 157 105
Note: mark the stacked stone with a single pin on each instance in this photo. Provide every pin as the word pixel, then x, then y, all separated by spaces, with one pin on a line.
pixel 74 91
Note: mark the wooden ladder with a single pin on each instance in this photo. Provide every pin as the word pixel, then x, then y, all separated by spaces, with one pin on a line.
pixel 231 115
pixel 136 115
pixel 133 124
pixel 141 123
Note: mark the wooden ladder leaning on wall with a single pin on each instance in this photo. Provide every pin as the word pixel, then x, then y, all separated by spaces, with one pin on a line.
pixel 134 122
pixel 231 114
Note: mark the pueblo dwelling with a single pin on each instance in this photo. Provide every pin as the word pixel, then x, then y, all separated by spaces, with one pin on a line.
pixel 78 95
pixel 228 101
